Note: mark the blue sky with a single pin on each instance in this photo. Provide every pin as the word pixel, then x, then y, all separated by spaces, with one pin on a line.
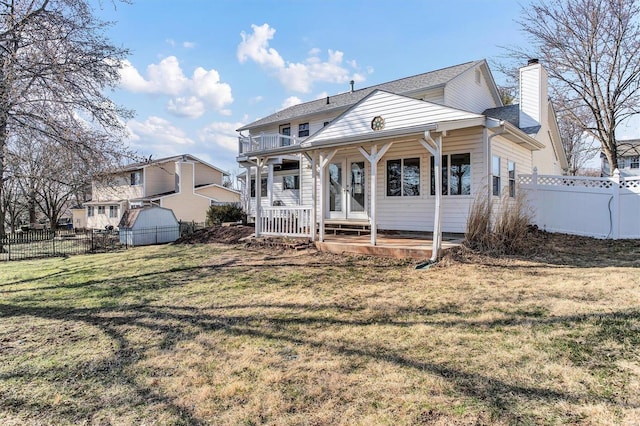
pixel 199 69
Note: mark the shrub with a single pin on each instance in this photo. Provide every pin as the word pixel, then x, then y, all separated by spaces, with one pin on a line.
pixel 225 213
pixel 506 233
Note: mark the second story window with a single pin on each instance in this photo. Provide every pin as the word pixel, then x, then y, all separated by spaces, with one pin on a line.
pixel 303 130
pixel 136 178
pixel 113 211
pixel 90 211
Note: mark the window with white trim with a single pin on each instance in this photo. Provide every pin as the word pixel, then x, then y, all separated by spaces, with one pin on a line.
pixel 403 177
pixel 113 211
pixel 136 178
pixel 263 187
pixel 90 211
pixel 456 174
pixel 512 179
pixel 495 175
pixel 291 182
pixel 101 210
pixel 303 130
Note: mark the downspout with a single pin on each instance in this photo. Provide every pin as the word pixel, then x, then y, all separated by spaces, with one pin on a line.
pixel 490 163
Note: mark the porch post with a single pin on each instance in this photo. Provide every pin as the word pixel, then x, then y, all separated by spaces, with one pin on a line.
pixel 324 161
pixel 258 225
pixel 373 159
pixel 314 194
pixel 374 195
pixel 435 149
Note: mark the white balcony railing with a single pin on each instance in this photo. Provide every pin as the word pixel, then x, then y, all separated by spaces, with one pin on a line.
pixel 265 141
pixel 286 221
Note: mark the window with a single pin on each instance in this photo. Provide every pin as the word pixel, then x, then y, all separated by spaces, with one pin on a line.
pixel 90 211
pixel 456 175
pixel 263 187
pixel 634 162
pixel 101 209
pixel 403 177
pixel 495 172
pixel 136 178
pixel 113 211
pixel 303 130
pixel 291 182
pixel 512 179
pixel 285 130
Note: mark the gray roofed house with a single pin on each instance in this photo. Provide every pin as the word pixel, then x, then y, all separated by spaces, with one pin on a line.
pixel 366 159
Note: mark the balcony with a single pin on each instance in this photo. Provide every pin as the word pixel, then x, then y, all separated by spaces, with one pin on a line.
pixel 265 142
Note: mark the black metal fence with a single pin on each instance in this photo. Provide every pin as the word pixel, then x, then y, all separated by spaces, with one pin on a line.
pixel 37 243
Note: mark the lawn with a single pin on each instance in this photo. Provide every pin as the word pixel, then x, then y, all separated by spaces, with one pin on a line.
pixel 228 335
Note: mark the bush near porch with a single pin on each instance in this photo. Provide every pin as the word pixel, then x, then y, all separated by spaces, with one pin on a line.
pixel 225 334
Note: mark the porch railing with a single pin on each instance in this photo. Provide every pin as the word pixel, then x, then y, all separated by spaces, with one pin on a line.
pixel 286 221
pixel 265 141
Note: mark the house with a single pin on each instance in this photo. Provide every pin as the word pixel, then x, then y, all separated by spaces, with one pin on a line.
pixel 184 184
pixel 148 225
pixel 411 154
pixel 628 158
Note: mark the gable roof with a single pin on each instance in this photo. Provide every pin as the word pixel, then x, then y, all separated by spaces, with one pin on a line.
pixel 402 115
pixel 404 86
pixel 153 162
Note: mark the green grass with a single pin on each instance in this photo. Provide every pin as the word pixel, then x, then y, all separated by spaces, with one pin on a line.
pixel 214 334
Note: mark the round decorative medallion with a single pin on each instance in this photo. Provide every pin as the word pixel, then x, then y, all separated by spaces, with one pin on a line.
pixel 377 123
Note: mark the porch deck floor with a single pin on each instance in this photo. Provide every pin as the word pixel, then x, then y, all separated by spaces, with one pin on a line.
pixel 398 245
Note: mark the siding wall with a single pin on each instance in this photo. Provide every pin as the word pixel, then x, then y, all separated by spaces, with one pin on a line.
pixel 159 178
pixel 206 175
pixel 464 92
pixel 219 194
pixel 119 188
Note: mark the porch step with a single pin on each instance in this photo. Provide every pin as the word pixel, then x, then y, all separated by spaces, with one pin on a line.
pixel 347 227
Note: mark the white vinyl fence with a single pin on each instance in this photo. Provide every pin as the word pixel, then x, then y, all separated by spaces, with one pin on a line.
pixel 596 207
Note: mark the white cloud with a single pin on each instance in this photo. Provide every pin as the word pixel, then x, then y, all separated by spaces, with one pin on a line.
pixel 291 101
pixel 256 47
pixel 190 107
pixel 256 99
pixel 157 134
pixel 295 76
pixel 188 44
pixel 191 96
pixel 322 95
pixel 222 135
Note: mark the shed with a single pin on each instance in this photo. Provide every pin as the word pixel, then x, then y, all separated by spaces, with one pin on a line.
pixel 148 225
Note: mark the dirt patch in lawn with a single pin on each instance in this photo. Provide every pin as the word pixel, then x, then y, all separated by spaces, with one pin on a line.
pixel 559 249
pixel 217 234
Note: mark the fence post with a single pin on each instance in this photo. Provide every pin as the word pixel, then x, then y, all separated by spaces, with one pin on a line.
pixel 615 205
pixel 53 243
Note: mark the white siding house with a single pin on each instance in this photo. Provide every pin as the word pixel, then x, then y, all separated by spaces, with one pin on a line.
pixel 370 156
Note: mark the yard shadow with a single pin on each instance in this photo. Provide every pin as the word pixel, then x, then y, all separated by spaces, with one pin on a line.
pixel 283 323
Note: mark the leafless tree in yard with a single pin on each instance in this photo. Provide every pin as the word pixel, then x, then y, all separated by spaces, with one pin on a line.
pixel 55 66
pixel 591 49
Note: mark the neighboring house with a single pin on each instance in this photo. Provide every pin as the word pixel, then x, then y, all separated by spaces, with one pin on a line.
pixel 375 152
pixel 628 158
pixel 184 184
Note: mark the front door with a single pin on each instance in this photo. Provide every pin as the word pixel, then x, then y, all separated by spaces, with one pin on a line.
pixel 347 189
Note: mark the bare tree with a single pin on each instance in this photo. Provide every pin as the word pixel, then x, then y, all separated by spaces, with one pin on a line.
pixel 55 64
pixel 591 49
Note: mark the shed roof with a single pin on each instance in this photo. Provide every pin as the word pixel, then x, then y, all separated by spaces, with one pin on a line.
pixel 510 114
pixel 404 86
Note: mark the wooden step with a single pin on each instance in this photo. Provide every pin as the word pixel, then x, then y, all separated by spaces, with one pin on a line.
pixel 346 227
